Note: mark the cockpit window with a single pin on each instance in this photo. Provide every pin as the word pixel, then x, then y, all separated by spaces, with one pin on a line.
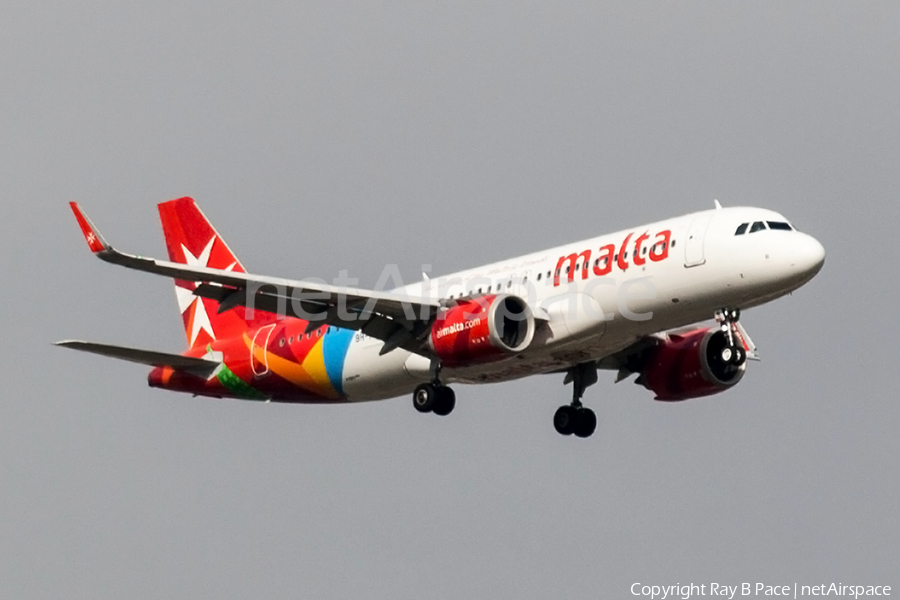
pixel 742 229
pixel 780 225
pixel 757 226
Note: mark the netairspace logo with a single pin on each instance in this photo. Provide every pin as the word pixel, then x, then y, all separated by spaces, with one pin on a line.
pixel 693 590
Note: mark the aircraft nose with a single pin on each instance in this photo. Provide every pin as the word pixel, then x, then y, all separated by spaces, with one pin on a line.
pixel 808 254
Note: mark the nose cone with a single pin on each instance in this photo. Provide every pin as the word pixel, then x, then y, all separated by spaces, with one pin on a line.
pixel 807 255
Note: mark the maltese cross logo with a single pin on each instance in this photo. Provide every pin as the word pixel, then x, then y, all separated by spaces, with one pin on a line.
pixel 198 319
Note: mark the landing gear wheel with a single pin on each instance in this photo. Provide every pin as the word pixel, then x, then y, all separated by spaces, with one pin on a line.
pixel 446 400
pixel 727 354
pixel 585 423
pixel 425 397
pixel 734 352
pixel 575 418
pixel 565 419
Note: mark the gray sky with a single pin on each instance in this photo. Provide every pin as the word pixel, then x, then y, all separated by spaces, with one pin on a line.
pixel 335 135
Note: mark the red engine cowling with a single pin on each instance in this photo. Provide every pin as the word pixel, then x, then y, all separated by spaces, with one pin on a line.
pixel 486 329
pixel 689 365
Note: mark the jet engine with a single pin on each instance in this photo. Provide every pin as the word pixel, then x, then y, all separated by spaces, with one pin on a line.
pixel 484 329
pixel 690 365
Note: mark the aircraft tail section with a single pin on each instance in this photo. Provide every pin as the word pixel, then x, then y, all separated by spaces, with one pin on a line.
pixel 192 240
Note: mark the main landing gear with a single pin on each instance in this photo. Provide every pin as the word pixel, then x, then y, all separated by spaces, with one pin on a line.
pixel 434 397
pixel 734 352
pixel 575 418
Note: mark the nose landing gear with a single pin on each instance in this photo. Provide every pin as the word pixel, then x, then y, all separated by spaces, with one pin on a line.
pixel 734 352
pixel 576 418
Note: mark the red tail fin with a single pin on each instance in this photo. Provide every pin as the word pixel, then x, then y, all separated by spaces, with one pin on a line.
pixel 192 240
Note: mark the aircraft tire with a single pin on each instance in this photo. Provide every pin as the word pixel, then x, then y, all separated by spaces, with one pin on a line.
pixel 446 401
pixel 586 423
pixel 425 397
pixel 727 355
pixel 564 420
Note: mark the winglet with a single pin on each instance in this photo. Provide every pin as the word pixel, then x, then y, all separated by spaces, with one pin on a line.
pixel 94 240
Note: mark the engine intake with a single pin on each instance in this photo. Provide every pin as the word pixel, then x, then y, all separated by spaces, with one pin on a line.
pixel 485 329
pixel 690 365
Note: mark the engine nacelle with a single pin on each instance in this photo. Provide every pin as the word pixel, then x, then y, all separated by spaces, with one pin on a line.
pixel 486 329
pixel 690 365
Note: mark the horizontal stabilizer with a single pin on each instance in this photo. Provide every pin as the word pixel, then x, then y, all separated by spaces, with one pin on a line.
pixel 196 366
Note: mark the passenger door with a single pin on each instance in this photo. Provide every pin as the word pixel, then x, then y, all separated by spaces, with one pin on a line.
pixel 694 255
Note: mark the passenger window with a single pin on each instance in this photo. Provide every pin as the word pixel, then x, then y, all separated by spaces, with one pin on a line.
pixel 742 229
pixel 539 277
pixel 780 225
pixel 757 226
pixel 672 245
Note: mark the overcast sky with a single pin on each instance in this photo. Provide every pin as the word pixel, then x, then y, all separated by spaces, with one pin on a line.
pixel 347 135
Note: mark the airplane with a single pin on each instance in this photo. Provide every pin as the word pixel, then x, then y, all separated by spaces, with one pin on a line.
pixel 631 302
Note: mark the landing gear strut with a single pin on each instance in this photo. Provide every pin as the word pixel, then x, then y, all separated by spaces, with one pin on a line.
pixel 734 352
pixel 434 397
pixel 575 418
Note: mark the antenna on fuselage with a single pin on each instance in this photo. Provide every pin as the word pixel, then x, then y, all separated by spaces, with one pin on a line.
pixel 718 206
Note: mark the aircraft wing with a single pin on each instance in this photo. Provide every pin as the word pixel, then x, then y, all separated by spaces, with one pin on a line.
pixel 398 320
pixel 629 360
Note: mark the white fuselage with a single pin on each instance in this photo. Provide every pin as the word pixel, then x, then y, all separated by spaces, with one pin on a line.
pixel 642 289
